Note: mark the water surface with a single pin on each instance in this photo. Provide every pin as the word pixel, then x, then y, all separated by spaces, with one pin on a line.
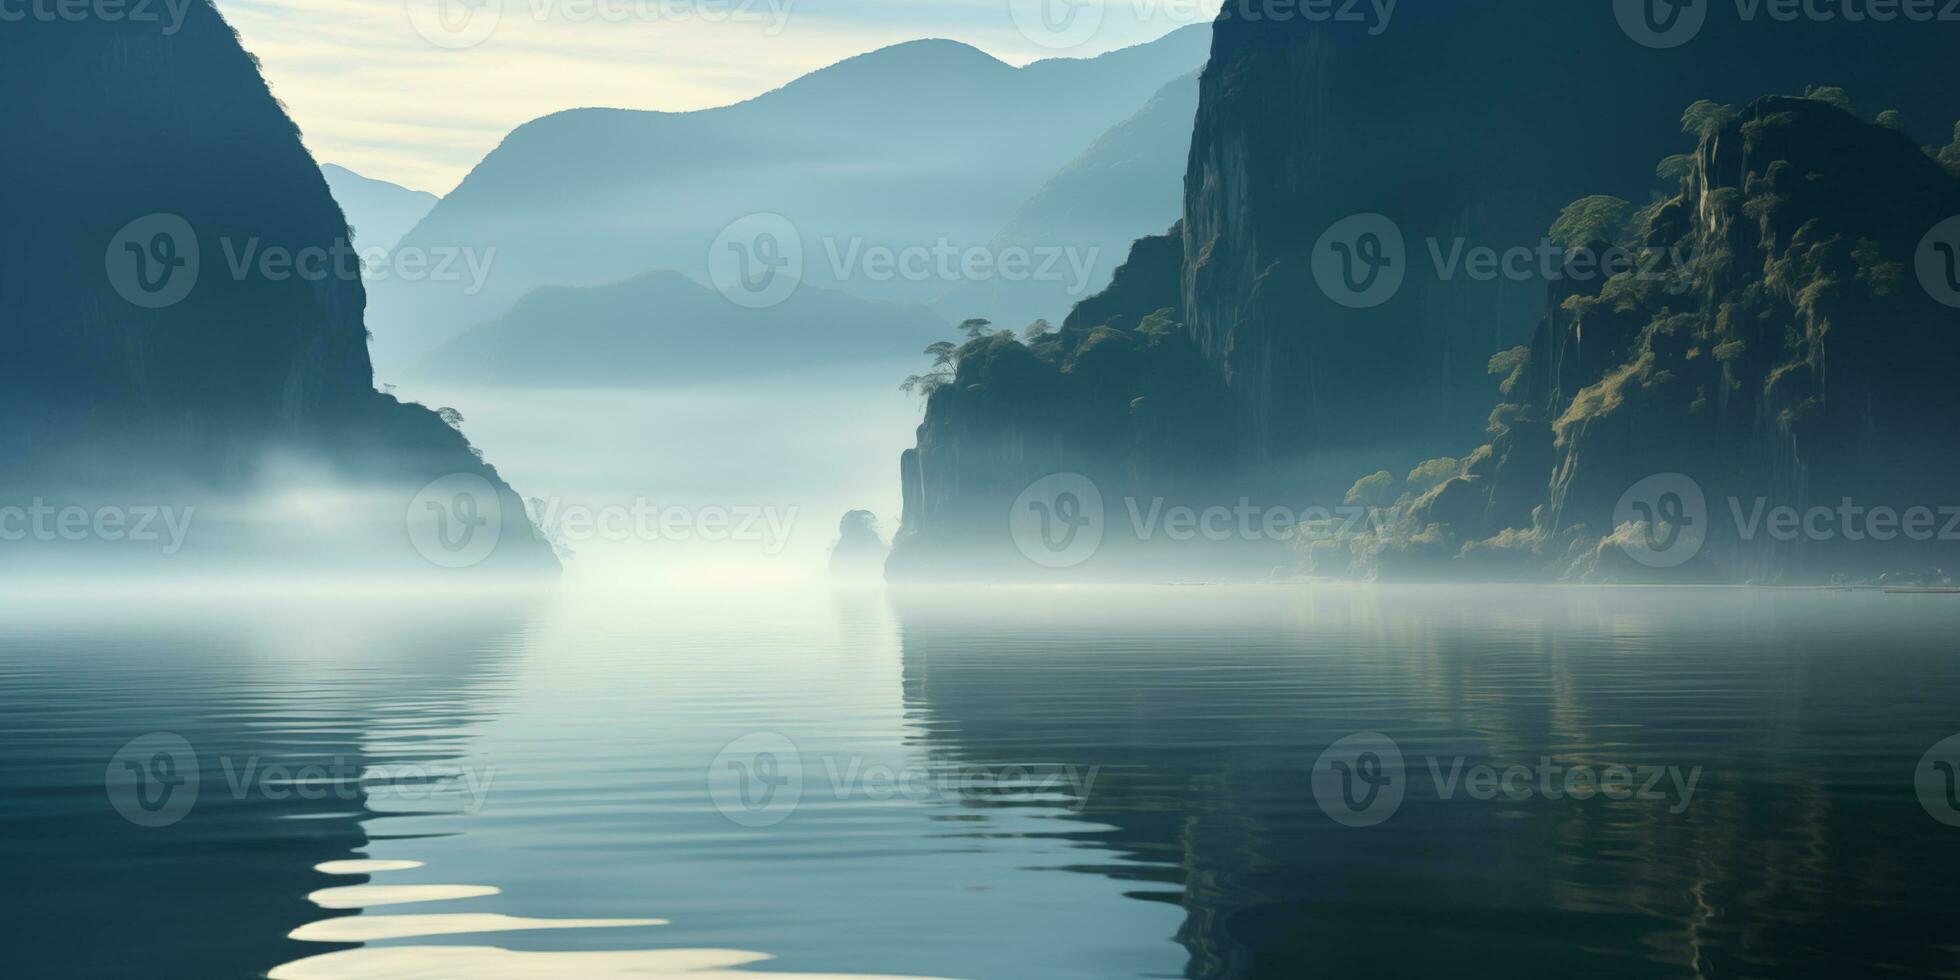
pixel 978 783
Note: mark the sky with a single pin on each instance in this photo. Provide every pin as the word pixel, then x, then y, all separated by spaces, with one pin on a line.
pixel 417 91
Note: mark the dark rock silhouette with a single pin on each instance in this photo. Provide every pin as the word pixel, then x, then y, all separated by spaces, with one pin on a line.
pixel 1797 361
pixel 158 166
pixel 1471 123
pixel 859 551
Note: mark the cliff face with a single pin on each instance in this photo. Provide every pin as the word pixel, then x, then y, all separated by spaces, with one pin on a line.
pixel 1794 361
pixel 160 333
pixel 1457 121
pixel 1465 126
pixel 1116 396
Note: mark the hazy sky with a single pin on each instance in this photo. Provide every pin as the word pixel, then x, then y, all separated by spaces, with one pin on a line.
pixel 417 91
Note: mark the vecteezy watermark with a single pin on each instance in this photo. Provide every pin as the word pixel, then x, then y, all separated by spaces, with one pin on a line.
pixel 153 262
pixel 1061 521
pixel 1057 522
pixel 1062 24
pixel 759 260
pixel 943 261
pixel 1937 781
pixel 454 24
pixel 456 521
pixel 1938 260
pixel 44 522
pixel 1362 262
pixel 1664 24
pixel 1663 521
pixel 461 24
pixel 167 14
pixel 1362 780
pixel 1661 24
pixel 156 260
pixel 1359 781
pixel 571 523
pixel 155 780
pixel 760 779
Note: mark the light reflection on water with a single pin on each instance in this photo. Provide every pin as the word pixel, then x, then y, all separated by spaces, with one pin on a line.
pixel 988 783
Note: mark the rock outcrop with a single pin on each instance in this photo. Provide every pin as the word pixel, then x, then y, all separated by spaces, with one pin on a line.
pixel 1791 362
pixel 1463 126
pixel 181 308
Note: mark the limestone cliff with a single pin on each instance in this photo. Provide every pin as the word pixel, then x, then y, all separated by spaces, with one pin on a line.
pixel 1465 125
pixel 161 340
pixel 1792 358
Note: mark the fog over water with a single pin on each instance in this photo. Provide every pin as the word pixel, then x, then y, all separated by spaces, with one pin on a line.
pixel 784 457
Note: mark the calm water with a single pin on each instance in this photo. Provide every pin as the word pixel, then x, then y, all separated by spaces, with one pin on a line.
pixel 1039 783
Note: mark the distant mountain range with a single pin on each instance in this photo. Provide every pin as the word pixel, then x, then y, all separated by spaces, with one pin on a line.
pixel 924 145
pixel 1125 186
pixel 664 327
pixel 378 213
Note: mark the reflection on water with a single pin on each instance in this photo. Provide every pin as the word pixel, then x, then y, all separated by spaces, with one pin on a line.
pixel 1803 851
pixel 991 783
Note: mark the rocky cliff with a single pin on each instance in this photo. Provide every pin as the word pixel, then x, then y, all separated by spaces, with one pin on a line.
pixel 1460 122
pixel 1462 127
pixel 1118 397
pixel 1773 403
pixel 181 308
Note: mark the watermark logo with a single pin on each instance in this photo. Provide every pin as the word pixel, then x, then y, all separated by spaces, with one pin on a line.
pixel 760 779
pixel 1361 261
pixel 1362 780
pixel 153 261
pixel 455 25
pixel 1661 24
pixel 1359 781
pixel 1057 522
pixel 169 14
pixel 40 521
pixel 153 780
pixel 571 523
pixel 1057 24
pixel 1937 781
pixel 757 262
pixel 1062 24
pixel 1664 520
pixel 1068 266
pixel 455 521
pixel 757 780
pixel 1665 24
pixel 1938 262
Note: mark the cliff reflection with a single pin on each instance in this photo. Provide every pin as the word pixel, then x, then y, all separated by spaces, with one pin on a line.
pixel 1781 831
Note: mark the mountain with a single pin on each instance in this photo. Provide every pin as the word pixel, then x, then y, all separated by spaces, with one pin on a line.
pixel 182 328
pixel 921 146
pixel 1462 126
pixel 1798 363
pixel 1126 185
pixel 378 213
pixel 665 327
